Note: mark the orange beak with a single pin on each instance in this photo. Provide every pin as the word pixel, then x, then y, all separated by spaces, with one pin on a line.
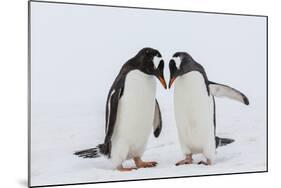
pixel 163 82
pixel 171 82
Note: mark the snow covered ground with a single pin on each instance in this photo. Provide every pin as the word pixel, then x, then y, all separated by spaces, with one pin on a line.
pixel 76 56
pixel 61 132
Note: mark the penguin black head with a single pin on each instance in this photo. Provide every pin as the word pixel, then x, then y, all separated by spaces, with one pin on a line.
pixel 178 65
pixel 150 62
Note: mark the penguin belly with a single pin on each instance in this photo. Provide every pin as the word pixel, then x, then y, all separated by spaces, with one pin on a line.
pixel 194 115
pixel 134 117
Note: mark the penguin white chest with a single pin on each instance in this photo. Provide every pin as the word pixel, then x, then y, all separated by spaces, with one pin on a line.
pixel 194 113
pixel 135 112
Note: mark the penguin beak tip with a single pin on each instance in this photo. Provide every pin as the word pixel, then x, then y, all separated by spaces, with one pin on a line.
pixel 165 87
pixel 171 82
pixel 163 82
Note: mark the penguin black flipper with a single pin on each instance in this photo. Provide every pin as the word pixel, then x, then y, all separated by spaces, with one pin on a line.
pixel 220 90
pixel 111 114
pixel 157 121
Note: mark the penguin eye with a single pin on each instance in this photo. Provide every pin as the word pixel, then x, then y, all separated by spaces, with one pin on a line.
pixel 147 51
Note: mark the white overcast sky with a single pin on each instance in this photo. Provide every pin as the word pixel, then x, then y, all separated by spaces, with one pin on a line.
pixel 77 51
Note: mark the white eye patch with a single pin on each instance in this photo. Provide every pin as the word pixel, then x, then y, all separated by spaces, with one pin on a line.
pixel 156 61
pixel 177 61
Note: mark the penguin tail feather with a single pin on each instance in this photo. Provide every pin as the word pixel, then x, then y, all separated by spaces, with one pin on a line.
pixel 223 141
pixel 88 153
pixel 101 149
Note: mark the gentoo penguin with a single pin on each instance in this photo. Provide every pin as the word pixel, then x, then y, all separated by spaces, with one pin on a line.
pixel 132 111
pixel 194 107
